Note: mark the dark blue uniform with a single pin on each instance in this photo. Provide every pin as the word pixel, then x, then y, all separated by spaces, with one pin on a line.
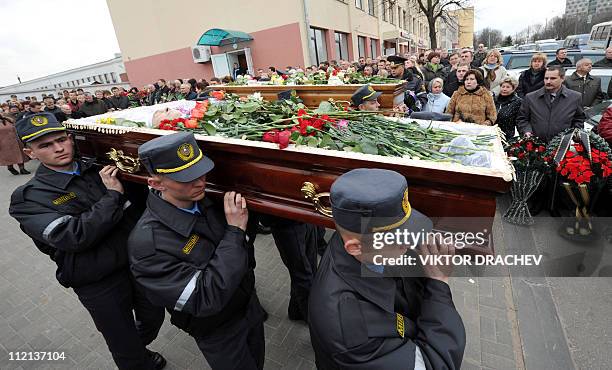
pixel 366 316
pixel 83 228
pixel 196 265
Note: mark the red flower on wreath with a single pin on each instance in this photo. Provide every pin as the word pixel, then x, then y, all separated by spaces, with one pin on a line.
pixel 581 169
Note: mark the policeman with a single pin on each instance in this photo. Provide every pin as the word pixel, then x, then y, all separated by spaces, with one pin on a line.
pixel 191 255
pixel 366 99
pixel 81 219
pixel 373 322
pixel 398 69
pixel 297 244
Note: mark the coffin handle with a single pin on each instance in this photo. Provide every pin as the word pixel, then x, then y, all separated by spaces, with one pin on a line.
pixel 310 192
pixel 124 162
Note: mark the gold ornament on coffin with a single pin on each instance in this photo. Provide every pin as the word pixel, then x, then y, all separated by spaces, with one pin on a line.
pixel 124 162
pixel 310 192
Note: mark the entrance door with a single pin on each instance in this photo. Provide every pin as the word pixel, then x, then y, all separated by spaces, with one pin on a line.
pixel 249 61
pixel 243 58
pixel 220 65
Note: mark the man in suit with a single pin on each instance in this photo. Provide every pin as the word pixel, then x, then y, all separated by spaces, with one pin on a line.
pixel 552 109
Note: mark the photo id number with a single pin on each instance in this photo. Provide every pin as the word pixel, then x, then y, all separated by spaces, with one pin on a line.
pixel 36 356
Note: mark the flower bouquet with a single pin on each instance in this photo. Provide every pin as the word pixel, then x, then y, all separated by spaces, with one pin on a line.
pixel 530 164
pixel 582 164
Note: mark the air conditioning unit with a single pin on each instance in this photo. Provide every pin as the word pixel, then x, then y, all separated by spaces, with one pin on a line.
pixel 200 54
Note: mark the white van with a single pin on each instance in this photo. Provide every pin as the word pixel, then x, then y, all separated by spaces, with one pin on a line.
pixel 600 35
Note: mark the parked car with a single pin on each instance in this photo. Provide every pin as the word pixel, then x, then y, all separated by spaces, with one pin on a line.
pixel 518 61
pixel 578 42
pixel 526 47
pixel 595 113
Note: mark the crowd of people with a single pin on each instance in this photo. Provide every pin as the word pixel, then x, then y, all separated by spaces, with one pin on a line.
pixel 463 86
pixel 182 251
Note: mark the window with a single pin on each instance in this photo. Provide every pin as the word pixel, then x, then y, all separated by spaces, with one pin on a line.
pixel 405 18
pixel 361 43
pixel 414 25
pixel 113 77
pixel 106 78
pixel 392 14
pixel 399 17
pixel 88 79
pixel 318 47
pixel 373 48
pixel 359 4
pixel 384 10
pixel 372 7
pixel 341 45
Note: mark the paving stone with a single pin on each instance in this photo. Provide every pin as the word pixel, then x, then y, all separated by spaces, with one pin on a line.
pixel 497 349
pixel 487 328
pixel 497 362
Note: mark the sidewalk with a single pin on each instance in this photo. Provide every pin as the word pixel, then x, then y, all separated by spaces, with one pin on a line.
pixel 511 322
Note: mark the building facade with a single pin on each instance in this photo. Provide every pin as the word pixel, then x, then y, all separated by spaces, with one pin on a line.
pixel 108 72
pixel 465 27
pixel 587 7
pixel 290 33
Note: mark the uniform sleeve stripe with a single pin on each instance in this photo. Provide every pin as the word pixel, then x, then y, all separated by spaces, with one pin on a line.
pixel 53 224
pixel 126 204
pixel 419 363
pixel 187 292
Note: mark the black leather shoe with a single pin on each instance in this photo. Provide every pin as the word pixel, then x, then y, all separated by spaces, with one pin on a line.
pixel 13 171
pixel 23 171
pixel 159 362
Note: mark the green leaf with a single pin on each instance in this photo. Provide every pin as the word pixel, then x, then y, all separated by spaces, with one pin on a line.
pixel 212 110
pixel 325 107
pixel 348 149
pixel 242 119
pixel 248 107
pixel 357 149
pixel 368 147
pixel 295 135
pixel 299 140
pixel 227 117
pixel 312 141
pixel 210 129
pixel 326 141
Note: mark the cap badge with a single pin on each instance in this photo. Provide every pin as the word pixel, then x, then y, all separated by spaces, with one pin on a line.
pixel 405 203
pixel 185 152
pixel 39 120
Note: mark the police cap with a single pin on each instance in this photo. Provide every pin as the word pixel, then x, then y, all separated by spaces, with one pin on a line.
pixel 176 156
pixel 369 200
pixel 33 126
pixel 364 93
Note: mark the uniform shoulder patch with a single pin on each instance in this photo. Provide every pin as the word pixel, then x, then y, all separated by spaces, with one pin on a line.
pixel 352 321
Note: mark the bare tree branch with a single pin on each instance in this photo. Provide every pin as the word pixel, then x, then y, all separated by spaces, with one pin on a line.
pixel 438 9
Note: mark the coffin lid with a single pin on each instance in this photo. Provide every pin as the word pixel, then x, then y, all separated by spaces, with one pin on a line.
pixel 220 37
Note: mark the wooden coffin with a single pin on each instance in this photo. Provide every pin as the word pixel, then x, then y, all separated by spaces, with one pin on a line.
pixel 273 180
pixel 312 95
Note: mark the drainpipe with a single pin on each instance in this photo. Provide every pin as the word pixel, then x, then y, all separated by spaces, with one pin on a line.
pixel 307 25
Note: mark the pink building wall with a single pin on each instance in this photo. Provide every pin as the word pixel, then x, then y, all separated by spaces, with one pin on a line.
pixel 279 46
